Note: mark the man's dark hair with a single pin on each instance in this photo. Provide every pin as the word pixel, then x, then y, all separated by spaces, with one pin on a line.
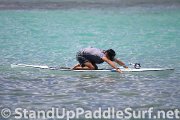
pixel 111 53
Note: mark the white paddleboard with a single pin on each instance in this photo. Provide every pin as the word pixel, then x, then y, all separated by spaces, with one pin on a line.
pixel 126 70
pixel 100 70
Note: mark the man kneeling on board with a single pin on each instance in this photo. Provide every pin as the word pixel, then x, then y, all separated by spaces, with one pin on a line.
pixel 89 57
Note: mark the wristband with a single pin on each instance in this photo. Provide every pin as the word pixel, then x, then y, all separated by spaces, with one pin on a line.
pixel 124 65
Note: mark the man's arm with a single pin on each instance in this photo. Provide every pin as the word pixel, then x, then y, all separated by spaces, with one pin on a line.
pixel 111 64
pixel 120 63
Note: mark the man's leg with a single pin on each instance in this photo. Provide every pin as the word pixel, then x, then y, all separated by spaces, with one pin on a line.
pixel 87 66
pixel 95 66
pixel 76 66
pixel 84 63
pixel 90 66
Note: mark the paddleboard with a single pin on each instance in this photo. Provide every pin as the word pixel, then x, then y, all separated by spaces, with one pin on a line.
pixel 100 70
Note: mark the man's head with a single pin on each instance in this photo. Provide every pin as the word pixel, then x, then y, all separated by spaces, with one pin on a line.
pixel 111 54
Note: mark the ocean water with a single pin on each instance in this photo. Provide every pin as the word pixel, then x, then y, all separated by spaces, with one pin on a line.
pixel 46 33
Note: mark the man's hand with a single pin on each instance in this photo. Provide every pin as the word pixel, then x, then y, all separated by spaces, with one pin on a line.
pixel 118 70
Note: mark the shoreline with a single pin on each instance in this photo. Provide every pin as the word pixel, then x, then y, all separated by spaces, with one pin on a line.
pixel 100 4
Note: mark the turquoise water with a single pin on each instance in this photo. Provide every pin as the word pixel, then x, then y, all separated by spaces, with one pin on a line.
pixel 149 35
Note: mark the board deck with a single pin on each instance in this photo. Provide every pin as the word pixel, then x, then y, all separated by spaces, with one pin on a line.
pixel 100 70
pixel 125 70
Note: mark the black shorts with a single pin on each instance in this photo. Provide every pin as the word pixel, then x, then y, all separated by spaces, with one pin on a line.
pixel 83 58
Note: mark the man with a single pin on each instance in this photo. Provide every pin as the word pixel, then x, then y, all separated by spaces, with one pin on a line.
pixel 89 57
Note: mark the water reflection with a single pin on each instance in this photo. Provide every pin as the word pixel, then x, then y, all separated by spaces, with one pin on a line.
pixel 88 90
